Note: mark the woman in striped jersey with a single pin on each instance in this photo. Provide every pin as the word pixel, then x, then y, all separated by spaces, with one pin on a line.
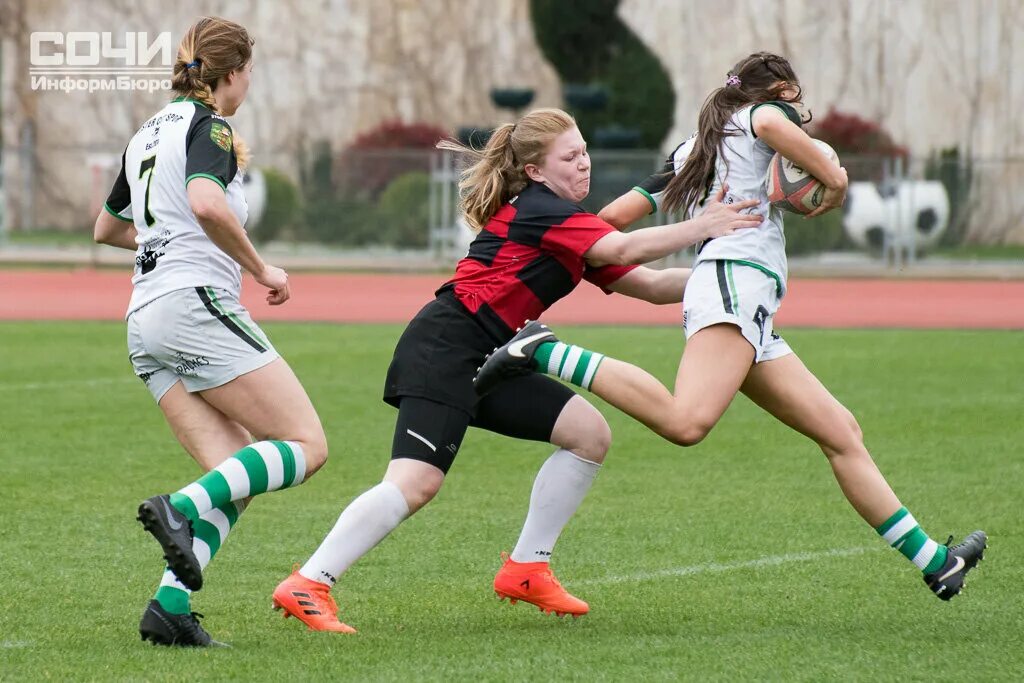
pixel 737 285
pixel 230 399
pixel 534 245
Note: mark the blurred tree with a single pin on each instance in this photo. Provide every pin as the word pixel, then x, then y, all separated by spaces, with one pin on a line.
pixel 403 213
pixel 366 167
pixel 282 206
pixel 851 134
pixel 588 44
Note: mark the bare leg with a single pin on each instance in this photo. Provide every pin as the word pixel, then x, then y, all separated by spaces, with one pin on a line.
pixel 271 404
pixel 208 435
pixel 714 364
pixel 785 388
pixel 268 403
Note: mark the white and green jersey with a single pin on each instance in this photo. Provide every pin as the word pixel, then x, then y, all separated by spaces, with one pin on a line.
pixel 183 141
pixel 742 162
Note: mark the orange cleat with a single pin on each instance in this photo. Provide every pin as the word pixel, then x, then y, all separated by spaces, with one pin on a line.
pixel 310 602
pixel 533 582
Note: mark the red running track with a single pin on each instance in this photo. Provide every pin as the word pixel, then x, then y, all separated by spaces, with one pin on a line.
pixel 850 303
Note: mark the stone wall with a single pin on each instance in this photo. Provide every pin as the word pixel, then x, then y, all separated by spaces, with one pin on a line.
pixel 935 73
pixel 322 71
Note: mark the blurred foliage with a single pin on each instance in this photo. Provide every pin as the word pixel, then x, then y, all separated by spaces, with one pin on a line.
pixel 341 220
pixel 588 44
pixel 366 167
pixel 813 235
pixel 282 206
pixel 851 134
pixel 375 192
pixel 955 173
pixel 404 211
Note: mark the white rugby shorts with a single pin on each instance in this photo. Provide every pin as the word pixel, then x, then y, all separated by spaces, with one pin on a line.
pixel 201 336
pixel 739 294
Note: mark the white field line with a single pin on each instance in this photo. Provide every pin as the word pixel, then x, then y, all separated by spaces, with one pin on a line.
pixel 14 644
pixel 65 383
pixel 715 567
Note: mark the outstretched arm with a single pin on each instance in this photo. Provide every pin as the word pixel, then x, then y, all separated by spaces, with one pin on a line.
pixel 656 286
pixel 626 210
pixel 650 244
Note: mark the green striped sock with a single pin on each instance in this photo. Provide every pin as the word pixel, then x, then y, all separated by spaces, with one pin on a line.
pixel 259 468
pixel 211 530
pixel 574 364
pixel 902 532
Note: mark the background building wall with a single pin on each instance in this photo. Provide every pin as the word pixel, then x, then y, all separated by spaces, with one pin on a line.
pixel 935 73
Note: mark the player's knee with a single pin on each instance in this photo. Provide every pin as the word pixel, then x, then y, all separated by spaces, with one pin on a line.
pixel 418 493
pixel 314 448
pixel 582 429
pixel 845 439
pixel 687 432
pixel 854 426
pixel 597 440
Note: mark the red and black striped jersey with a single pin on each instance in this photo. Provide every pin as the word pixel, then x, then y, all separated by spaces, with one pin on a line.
pixel 527 257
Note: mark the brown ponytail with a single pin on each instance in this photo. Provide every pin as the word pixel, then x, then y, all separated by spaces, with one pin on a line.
pixel 761 77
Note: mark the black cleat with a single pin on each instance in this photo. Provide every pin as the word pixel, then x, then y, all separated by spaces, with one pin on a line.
pixel 163 628
pixel 948 581
pixel 173 531
pixel 514 359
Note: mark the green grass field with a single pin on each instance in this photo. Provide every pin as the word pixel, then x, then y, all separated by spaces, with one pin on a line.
pixel 735 560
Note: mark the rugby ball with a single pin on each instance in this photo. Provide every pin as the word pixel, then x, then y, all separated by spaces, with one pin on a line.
pixel 791 188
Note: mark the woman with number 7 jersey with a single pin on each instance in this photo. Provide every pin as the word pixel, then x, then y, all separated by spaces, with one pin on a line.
pixel 737 285
pixel 230 399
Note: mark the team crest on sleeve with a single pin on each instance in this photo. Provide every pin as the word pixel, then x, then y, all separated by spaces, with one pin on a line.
pixel 221 136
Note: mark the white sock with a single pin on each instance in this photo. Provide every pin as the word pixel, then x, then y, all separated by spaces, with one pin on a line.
pixel 561 484
pixel 361 526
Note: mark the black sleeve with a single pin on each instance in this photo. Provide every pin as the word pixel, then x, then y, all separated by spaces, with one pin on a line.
pixel 119 203
pixel 785 107
pixel 655 184
pixel 209 151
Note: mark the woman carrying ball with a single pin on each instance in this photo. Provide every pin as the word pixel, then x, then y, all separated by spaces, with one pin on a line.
pixel 737 285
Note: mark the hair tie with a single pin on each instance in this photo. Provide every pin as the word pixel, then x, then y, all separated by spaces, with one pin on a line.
pixel 733 80
pixel 191 65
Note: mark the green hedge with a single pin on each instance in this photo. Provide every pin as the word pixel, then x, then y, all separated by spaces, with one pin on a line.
pixel 282 206
pixel 810 236
pixel 399 218
pixel 403 213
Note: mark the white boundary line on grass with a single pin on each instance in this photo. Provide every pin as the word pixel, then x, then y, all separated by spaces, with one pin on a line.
pixel 62 383
pixel 715 567
pixel 13 644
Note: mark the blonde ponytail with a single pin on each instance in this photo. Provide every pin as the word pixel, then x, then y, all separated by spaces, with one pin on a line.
pixel 495 173
pixel 211 49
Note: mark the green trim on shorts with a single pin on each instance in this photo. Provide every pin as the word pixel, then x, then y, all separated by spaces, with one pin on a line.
pixel 732 287
pixel 772 275
pixel 234 318
pixel 654 204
